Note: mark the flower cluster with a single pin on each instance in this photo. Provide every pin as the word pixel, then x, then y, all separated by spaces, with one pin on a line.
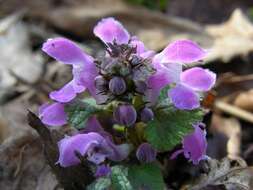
pixel 127 83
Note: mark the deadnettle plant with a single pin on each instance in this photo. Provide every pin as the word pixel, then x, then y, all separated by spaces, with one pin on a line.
pixel 141 104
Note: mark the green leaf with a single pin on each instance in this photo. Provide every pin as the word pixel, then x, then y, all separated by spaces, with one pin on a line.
pixel 170 126
pixel 79 112
pixel 146 175
pixel 102 183
pixel 119 178
pixel 163 98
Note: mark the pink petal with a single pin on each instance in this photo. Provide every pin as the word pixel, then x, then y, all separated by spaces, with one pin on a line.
pixel 199 79
pixel 67 92
pixel 182 51
pixel 53 115
pixel 184 98
pixel 165 74
pixel 81 143
pixel 109 29
pixel 84 75
pixel 65 51
pixel 195 145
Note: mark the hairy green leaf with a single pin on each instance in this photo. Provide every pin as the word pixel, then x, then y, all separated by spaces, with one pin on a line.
pixel 102 183
pixel 119 178
pixel 170 126
pixel 79 112
pixel 146 176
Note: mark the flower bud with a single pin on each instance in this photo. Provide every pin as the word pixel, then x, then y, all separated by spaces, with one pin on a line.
pixel 125 115
pixel 100 83
pixel 146 114
pixel 146 153
pixel 140 86
pixel 117 85
pixel 102 171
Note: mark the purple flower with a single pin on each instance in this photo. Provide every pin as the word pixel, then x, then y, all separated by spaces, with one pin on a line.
pixel 184 97
pixel 93 145
pixel 125 115
pixel 194 145
pixel 53 114
pixel 102 171
pixel 84 70
pixel 168 65
pixel 182 51
pixel 192 81
pixel 198 79
pixel 67 93
pixel 166 73
pixel 146 153
pixel 109 30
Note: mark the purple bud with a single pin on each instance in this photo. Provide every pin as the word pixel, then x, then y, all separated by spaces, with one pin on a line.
pixel 146 114
pixel 100 83
pixel 117 85
pixel 125 115
pixel 140 86
pixel 146 153
pixel 102 171
pixel 136 60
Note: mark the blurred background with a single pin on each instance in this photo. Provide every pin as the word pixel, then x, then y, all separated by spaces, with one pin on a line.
pixel 27 75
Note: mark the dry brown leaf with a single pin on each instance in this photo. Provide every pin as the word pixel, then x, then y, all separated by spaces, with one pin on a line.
pixel 233 174
pixel 231 129
pixel 23 166
pixel 13 117
pixel 232 38
pixel 16 54
pixel 245 100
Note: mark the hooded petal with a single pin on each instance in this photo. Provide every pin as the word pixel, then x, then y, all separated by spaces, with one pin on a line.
pixel 53 115
pixel 81 143
pixel 93 145
pixel 165 74
pixel 84 70
pixel 195 145
pixel 199 79
pixel 184 97
pixel 65 51
pixel 84 75
pixel 67 93
pixel 109 29
pixel 182 51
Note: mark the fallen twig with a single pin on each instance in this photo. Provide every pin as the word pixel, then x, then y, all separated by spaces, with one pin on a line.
pixel 233 110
